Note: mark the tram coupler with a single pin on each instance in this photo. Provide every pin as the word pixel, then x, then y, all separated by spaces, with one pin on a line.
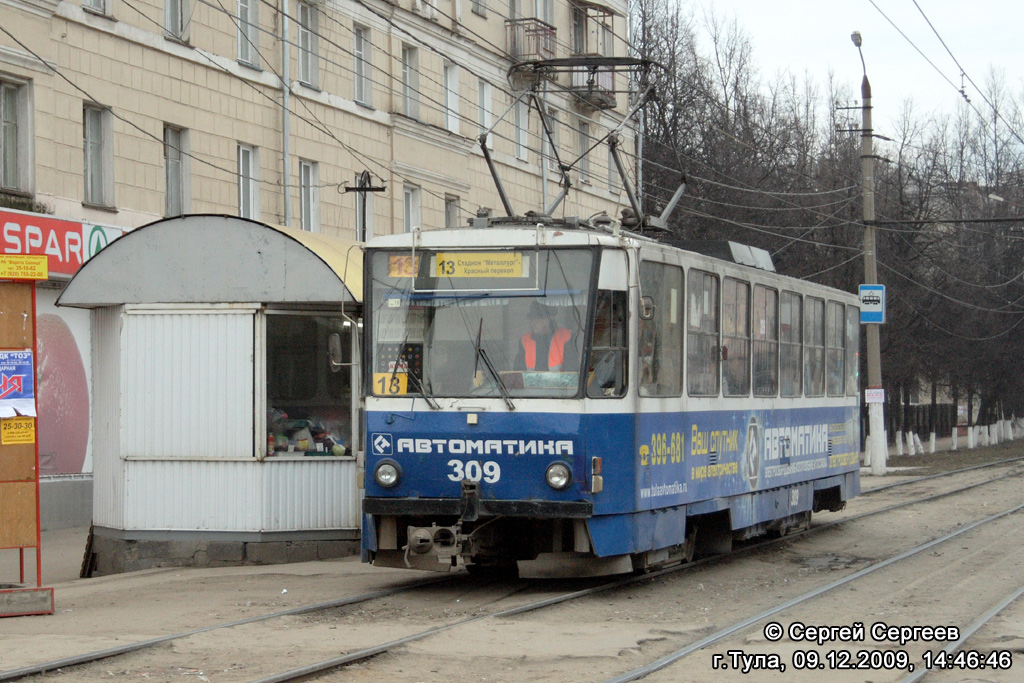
pixel 470 501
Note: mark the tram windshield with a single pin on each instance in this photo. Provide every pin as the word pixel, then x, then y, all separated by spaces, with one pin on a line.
pixel 498 323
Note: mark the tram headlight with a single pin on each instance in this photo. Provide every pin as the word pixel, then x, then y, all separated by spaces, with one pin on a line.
pixel 387 473
pixel 558 476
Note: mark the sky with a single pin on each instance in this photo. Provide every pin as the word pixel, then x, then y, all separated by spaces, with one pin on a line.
pixel 812 37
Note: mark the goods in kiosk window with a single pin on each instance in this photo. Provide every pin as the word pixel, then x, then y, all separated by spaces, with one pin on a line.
pixel 306 436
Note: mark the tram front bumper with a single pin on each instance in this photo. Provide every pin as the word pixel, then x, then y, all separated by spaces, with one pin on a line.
pixel 487 508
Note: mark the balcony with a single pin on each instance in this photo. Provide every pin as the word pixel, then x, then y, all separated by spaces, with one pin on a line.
pixel 592 40
pixel 594 86
pixel 530 40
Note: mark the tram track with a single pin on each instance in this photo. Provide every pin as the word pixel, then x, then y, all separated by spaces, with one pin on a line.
pixel 762 616
pixel 366 653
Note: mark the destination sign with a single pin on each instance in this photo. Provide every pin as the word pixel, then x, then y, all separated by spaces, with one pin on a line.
pixel 479 264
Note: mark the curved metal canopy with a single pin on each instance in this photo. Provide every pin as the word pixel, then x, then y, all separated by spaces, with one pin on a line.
pixel 207 258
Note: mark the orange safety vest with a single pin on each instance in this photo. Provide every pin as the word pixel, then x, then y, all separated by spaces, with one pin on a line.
pixel 556 354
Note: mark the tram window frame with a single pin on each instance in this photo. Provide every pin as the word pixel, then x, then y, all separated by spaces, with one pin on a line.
pixel 814 346
pixel 660 338
pixel 835 349
pixel 702 287
pixel 609 346
pixel 791 338
pixel 852 351
pixel 736 347
pixel 765 334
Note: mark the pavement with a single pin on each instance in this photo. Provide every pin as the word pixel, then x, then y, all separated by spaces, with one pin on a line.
pixel 63 550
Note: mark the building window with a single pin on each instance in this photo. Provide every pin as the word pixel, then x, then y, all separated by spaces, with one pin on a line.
pixel 411 207
pixel 583 145
pixel 551 146
pixel 309 56
pixel 451 98
pixel 791 334
pixel 176 19
pixel 248 31
pixel 248 188
pixel 703 355
pixel 452 209
pixel 99 156
pixel 410 82
pixel 613 172
pixel 364 209
pixel 176 171
pixel 99 6
pixel 483 109
pixel 14 136
pixel 522 121
pixel 361 66
pixel 309 195
pixel 480 7
pixel 545 11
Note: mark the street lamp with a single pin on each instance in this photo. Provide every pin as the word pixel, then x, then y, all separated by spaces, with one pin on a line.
pixel 876 422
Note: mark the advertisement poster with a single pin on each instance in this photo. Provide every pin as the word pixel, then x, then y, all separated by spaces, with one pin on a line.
pixel 17 383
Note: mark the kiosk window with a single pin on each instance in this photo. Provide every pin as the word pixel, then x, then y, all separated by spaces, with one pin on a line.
pixel 309 384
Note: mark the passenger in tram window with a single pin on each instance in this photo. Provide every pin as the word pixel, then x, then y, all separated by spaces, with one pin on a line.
pixel 546 346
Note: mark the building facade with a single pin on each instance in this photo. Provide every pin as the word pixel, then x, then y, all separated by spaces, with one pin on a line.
pixel 121 112
pixel 117 113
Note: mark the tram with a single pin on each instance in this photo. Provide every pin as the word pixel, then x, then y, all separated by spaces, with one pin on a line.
pixel 559 397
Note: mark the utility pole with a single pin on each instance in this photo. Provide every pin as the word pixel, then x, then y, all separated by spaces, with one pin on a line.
pixel 365 184
pixel 876 419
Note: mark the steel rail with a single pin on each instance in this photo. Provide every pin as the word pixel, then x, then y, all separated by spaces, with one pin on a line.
pixel 661 663
pixel 14 674
pixel 968 632
pixel 75 660
pixel 367 653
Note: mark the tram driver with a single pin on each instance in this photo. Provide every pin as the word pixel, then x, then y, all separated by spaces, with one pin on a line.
pixel 546 346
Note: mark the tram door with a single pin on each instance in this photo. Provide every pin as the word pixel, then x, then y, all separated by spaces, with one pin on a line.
pixel 659 429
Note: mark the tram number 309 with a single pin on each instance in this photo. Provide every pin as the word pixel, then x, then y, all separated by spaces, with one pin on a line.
pixel 474 470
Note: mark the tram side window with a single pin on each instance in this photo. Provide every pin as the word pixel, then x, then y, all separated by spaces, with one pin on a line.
pixel 814 343
pixel 661 336
pixel 766 341
pixel 791 333
pixel 735 338
pixel 852 350
pixel 835 355
pixel 607 375
pixel 702 352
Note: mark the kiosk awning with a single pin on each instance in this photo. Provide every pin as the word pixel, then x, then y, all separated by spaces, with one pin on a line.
pixel 218 259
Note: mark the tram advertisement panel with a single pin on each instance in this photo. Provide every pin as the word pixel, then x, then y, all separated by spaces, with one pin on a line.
pixel 688 457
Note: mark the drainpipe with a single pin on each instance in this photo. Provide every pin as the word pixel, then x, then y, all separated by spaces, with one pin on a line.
pixel 286 157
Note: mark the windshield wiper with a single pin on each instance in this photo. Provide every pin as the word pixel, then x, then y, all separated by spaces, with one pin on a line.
pixel 423 391
pixel 482 353
pixel 412 376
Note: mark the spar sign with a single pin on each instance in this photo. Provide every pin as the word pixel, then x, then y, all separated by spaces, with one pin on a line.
pixel 67 244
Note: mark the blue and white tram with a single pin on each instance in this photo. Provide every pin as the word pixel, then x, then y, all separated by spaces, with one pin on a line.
pixel 685 401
